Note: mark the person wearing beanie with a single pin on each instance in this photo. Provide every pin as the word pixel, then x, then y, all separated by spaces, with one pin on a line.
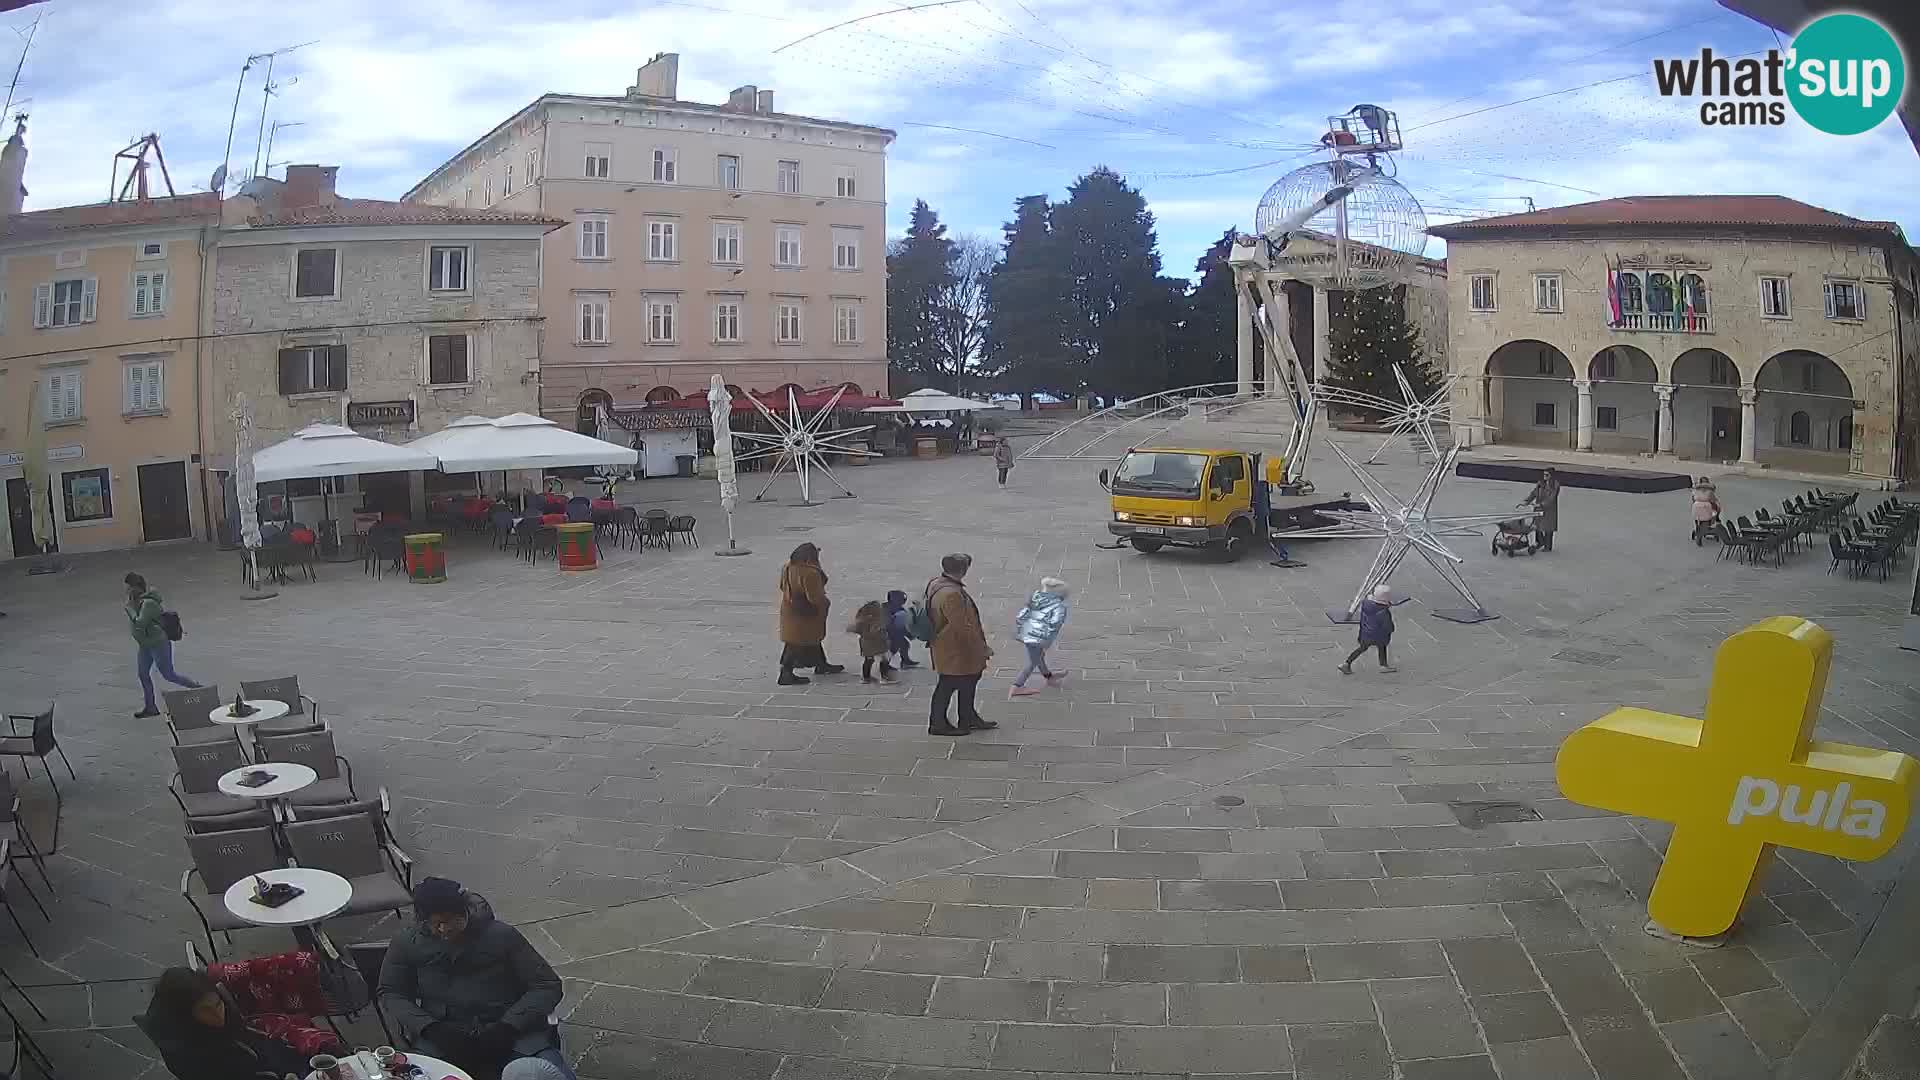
pixel 471 989
pixel 1376 628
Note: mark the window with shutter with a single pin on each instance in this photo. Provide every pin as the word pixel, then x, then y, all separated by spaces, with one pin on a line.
pixel 145 387
pixel 313 369
pixel 447 360
pixel 63 397
pixel 149 292
pixel 314 274
pixel 43 305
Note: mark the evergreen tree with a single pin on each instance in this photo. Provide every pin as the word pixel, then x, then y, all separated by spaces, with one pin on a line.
pixel 1106 236
pixel 919 271
pixel 1368 336
pixel 1209 334
pixel 1027 307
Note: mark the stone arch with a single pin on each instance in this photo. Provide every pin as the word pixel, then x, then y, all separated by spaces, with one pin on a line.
pixel 1625 411
pixel 660 394
pixel 1530 396
pixel 1803 413
pixel 1707 418
pixel 587 414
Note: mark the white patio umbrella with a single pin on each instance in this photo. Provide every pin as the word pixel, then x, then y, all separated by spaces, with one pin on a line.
pixel 517 441
pixel 332 450
pixel 933 401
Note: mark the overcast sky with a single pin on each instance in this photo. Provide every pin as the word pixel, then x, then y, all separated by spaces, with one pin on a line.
pixel 1202 104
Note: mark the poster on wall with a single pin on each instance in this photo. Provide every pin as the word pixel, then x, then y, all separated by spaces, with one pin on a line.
pixel 86 498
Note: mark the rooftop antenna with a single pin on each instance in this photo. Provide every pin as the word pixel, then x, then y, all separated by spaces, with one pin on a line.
pixel 136 184
pixel 32 29
pixel 266 95
pixel 275 130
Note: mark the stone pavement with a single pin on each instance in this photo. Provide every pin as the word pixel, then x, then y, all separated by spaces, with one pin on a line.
pixel 1208 854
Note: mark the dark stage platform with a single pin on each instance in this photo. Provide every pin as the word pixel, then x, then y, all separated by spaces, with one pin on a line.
pixel 1599 477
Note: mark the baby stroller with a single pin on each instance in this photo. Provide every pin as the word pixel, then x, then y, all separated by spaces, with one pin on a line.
pixel 1515 537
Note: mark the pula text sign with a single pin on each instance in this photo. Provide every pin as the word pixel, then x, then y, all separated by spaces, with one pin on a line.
pixel 1746 778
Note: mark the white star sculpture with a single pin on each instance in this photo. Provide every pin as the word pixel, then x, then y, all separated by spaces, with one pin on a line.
pixel 1411 415
pixel 801 444
pixel 1407 525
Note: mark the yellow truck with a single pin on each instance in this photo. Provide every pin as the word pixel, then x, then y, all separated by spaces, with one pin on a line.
pixel 1207 499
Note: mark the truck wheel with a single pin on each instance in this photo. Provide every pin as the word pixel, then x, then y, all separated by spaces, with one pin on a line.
pixel 1145 546
pixel 1239 538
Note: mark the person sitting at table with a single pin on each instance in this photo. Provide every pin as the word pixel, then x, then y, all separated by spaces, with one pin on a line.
pixel 468 988
pixel 202 1036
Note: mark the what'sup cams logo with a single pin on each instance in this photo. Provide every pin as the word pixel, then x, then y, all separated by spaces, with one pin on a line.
pixel 1843 75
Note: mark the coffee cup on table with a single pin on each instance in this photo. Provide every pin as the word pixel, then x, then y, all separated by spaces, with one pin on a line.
pixel 327 1067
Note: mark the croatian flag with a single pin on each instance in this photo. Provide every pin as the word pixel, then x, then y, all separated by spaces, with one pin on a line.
pixel 1613 293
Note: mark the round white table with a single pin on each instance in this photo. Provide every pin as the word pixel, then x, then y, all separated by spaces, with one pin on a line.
pixel 288 777
pixel 263 711
pixel 430 1067
pixel 326 894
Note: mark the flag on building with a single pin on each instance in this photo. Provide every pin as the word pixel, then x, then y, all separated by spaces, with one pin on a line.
pixel 1613 292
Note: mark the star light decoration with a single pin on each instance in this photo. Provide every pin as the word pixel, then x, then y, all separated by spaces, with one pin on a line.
pixel 1409 416
pixel 1408 525
pixel 801 444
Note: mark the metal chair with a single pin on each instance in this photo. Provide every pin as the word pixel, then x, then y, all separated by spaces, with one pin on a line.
pixel 626 526
pixel 381 874
pixel 684 525
pixel 188 719
pixel 39 744
pixel 380 808
pixel 24 1046
pixel 10 808
pixel 7 876
pixel 195 787
pixel 314 750
pixel 654 529
pixel 303 713
pixel 220 859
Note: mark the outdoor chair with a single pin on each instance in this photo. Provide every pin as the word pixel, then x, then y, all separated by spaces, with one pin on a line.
pixel 683 525
pixel 381 874
pixel 386 550
pixel 40 743
pixel 189 716
pixel 314 750
pixel 219 860
pixel 626 526
pixel 379 808
pixel 195 786
pixel 10 814
pixel 1734 543
pixel 654 529
pixel 25 1048
pixel 579 509
pixel 303 713
pixel 7 878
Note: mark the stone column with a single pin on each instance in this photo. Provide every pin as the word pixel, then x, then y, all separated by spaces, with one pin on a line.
pixel 1583 431
pixel 1663 432
pixel 1322 344
pixel 1748 396
pixel 1243 341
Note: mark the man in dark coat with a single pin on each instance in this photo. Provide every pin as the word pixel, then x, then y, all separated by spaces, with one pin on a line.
pixel 468 988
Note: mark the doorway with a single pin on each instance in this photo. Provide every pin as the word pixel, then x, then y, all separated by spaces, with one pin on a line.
pixel 164 513
pixel 1723 436
pixel 20 518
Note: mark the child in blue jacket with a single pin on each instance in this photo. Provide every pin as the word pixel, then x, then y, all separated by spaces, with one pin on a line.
pixel 1376 629
pixel 897 639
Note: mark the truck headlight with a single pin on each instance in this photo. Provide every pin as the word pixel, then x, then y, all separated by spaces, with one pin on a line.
pixel 1190 522
pixel 1122 515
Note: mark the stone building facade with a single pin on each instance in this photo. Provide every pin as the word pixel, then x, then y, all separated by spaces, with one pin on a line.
pixel 700 239
pixel 1750 329
pixel 389 318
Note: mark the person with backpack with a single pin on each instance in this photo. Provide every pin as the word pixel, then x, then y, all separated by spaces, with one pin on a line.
pixel 803 617
pixel 154 631
pixel 949 622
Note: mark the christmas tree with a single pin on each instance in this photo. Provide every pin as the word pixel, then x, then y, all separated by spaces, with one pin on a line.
pixel 1368 335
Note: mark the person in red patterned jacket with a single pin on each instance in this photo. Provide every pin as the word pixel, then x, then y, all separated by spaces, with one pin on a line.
pixel 202 1036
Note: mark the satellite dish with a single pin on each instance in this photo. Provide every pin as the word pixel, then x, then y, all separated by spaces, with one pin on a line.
pixel 219 181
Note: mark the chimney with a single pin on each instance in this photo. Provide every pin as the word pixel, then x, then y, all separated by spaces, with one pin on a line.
pixel 308 185
pixel 659 78
pixel 763 101
pixel 13 169
pixel 743 98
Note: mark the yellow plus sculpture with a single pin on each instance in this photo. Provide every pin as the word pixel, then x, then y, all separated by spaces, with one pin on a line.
pixel 1743 780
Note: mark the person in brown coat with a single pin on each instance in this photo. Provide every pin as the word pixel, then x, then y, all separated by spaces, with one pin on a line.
pixel 959 648
pixel 803 617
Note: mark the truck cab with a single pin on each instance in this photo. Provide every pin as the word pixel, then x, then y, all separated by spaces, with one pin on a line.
pixel 1184 496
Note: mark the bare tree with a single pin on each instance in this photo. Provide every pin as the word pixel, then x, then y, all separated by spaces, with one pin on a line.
pixel 960 308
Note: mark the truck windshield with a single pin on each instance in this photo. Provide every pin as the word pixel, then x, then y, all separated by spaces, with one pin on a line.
pixel 1160 474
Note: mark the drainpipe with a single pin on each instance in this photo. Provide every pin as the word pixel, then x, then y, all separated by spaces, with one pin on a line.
pixel 1896 466
pixel 209 241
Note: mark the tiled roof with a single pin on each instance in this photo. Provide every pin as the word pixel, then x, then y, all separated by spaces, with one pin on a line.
pixel 383 212
pixel 173 210
pixel 1732 211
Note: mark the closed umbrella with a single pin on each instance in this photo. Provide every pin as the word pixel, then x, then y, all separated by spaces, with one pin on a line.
pixel 246 493
pixel 37 473
pixel 720 403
